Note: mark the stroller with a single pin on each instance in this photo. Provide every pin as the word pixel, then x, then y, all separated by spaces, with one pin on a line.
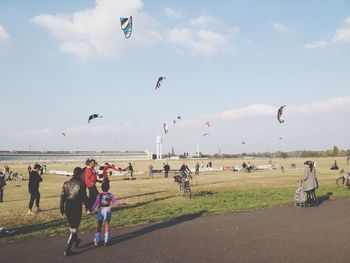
pixel 300 195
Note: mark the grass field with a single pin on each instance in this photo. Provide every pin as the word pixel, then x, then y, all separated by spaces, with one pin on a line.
pixel 152 200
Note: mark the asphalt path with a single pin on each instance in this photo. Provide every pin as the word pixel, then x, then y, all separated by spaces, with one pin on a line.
pixel 285 234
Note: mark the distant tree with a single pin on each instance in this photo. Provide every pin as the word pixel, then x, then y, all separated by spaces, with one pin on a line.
pixel 335 151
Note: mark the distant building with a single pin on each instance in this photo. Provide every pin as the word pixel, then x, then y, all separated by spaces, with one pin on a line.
pixel 72 156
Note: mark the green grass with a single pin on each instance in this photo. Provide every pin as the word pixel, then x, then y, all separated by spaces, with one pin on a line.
pixel 157 200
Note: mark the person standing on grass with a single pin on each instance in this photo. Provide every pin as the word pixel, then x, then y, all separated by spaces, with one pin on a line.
pixel 150 170
pixel 131 171
pixel 196 169
pixel 73 196
pixel 33 187
pixel 310 183
pixel 166 168
pixel 90 181
pixel 2 186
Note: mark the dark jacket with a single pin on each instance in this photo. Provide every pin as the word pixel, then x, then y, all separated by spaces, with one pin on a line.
pixel 34 181
pixel 73 191
pixel 166 167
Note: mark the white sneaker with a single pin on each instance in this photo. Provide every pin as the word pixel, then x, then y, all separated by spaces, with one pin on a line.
pixel 30 212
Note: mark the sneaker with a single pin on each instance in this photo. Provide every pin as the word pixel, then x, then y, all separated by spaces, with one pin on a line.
pixel 95 242
pixel 38 210
pixel 30 212
pixel 67 253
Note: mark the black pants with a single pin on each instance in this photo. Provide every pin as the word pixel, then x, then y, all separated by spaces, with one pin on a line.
pixel 166 173
pixel 34 195
pixel 73 212
pixel 92 195
pixel 1 195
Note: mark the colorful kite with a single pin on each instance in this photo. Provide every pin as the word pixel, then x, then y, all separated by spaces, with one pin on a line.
pixel 126 26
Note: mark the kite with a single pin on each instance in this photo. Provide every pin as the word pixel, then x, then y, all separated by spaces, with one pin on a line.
pixel 159 82
pixel 126 26
pixel 280 138
pixel 165 127
pixel 177 118
pixel 93 116
pixel 205 134
pixel 242 142
pixel 63 134
pixel 279 114
pixel 207 124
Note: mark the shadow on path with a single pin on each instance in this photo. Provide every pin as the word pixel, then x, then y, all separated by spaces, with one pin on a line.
pixel 321 199
pixel 150 193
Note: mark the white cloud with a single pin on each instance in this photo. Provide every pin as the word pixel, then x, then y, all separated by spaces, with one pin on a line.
pixel 97 130
pixel 248 111
pixel 96 31
pixel 347 20
pixel 257 110
pixel 281 29
pixel 173 13
pixel 3 34
pixel 38 133
pixel 202 41
pixel 318 44
pixel 203 21
pixel 343 34
pixel 330 105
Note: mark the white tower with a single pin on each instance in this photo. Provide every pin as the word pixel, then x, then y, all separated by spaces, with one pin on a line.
pixel 159 147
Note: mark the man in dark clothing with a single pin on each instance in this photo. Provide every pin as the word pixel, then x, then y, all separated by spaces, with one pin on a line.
pixel 2 186
pixel 166 170
pixel 73 195
pixel 131 171
pixel 33 187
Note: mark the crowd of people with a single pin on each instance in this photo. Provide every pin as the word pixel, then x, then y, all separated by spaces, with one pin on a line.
pixel 81 190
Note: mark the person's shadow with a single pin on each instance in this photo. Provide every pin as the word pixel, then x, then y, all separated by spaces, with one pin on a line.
pixel 145 230
pixel 322 198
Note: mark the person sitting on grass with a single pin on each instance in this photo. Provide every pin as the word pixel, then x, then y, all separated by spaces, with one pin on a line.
pixel 103 202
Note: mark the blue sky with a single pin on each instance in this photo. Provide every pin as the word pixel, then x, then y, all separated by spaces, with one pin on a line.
pixel 232 64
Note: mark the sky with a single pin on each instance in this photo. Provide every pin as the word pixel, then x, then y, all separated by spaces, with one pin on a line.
pixel 231 64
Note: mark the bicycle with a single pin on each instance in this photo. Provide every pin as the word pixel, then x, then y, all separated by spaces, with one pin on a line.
pixel 345 177
pixel 184 185
pixel 193 179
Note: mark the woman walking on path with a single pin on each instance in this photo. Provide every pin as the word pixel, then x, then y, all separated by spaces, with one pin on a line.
pixel 33 187
pixel 73 195
pixel 310 182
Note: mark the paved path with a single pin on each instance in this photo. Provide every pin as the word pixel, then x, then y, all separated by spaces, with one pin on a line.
pixel 287 234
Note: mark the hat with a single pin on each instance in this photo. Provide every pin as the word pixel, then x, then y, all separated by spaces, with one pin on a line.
pixel 37 166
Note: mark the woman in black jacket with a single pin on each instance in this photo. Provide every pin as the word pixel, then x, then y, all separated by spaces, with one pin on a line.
pixel 72 197
pixel 33 187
